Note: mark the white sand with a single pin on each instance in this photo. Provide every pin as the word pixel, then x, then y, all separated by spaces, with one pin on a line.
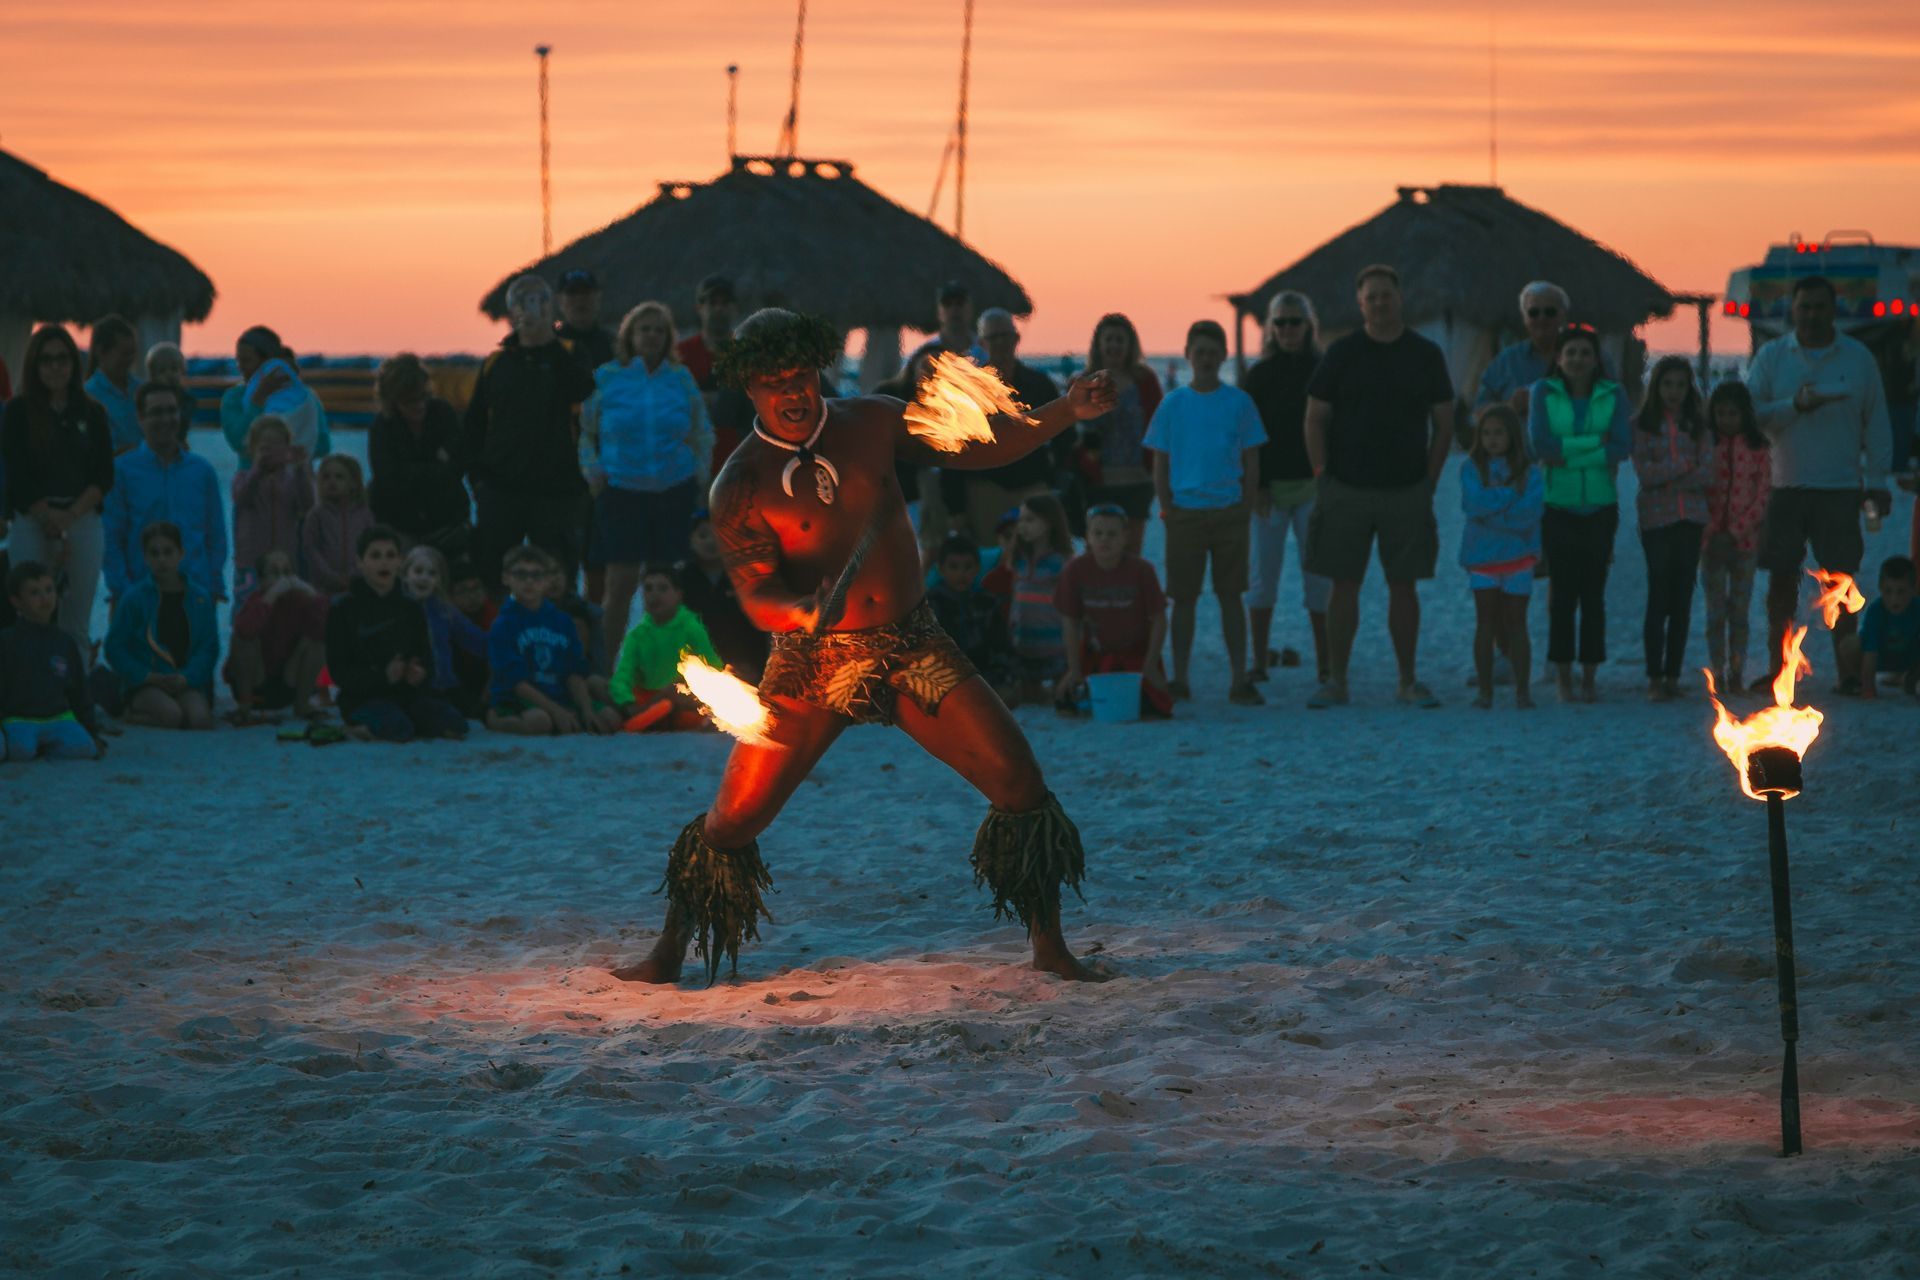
pixel 1421 994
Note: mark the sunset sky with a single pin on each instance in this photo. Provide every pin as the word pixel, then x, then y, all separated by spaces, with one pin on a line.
pixel 358 173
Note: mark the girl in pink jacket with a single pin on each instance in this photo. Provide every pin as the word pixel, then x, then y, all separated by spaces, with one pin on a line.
pixel 1737 489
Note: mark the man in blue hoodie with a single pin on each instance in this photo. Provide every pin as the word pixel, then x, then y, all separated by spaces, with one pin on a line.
pixel 160 482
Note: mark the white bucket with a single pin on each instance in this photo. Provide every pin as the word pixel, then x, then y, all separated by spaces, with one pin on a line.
pixel 1116 696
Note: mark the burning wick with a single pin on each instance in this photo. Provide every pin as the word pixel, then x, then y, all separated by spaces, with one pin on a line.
pixel 1766 750
pixel 951 408
pixel 732 704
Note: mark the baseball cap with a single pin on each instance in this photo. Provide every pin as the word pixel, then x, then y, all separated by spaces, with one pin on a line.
pixel 578 278
pixel 954 291
pixel 714 286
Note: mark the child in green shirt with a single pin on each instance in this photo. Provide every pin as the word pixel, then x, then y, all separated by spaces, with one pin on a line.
pixel 648 671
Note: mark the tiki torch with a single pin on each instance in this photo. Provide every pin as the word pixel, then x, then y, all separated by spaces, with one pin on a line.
pixel 1767 749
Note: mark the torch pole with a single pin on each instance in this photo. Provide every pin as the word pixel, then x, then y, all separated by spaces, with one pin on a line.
pixel 1783 967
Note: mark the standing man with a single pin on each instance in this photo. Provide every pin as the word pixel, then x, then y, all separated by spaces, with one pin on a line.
pixel 1823 407
pixel 1379 424
pixel 728 408
pixel 1206 439
pixel 976 499
pixel 519 438
pixel 1544 309
pixel 579 328
pixel 161 481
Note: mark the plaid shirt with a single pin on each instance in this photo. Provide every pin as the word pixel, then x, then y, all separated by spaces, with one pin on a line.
pixel 1673 468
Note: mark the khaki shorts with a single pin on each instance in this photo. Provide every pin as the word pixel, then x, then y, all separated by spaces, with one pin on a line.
pixel 1194 537
pixel 1346 520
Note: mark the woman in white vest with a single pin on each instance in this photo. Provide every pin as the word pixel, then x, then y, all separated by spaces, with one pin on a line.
pixel 646 449
pixel 1577 426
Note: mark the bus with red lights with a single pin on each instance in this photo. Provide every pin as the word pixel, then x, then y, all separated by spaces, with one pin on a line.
pixel 1877 291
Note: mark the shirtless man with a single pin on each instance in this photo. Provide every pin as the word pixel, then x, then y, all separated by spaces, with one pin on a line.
pixel 791 508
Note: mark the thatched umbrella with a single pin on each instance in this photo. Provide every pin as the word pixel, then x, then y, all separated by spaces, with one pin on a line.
pixel 1463 254
pixel 66 257
pixel 795 232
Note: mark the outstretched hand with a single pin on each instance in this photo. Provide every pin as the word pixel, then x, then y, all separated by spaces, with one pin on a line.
pixel 1092 394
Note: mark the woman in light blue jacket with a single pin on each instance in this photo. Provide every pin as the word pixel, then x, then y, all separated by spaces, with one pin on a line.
pixel 646 449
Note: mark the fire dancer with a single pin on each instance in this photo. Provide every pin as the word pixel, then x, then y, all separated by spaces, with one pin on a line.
pixel 814 531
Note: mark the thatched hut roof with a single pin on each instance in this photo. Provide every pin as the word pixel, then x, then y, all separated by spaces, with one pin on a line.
pixel 66 257
pixel 1467 251
pixel 794 232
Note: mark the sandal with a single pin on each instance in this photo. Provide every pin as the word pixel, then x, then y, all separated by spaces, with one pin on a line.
pixel 1418 695
pixel 1244 694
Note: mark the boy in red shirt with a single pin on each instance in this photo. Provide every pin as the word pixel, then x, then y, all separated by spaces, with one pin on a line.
pixel 1113 613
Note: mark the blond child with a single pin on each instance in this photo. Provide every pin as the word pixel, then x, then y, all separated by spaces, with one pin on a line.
pixel 1503 497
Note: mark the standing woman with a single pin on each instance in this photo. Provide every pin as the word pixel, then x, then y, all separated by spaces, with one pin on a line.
pixel 1126 471
pixel 1577 425
pixel 1673 458
pixel 414 447
pixel 59 466
pixel 1278 385
pixel 247 399
pixel 112 349
pixel 645 447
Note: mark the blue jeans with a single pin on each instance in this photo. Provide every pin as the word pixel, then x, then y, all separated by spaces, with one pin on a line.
pixel 423 716
pixel 63 739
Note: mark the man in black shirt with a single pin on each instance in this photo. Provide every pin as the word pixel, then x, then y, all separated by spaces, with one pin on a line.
pixel 975 500
pixel 1379 424
pixel 579 328
pixel 519 437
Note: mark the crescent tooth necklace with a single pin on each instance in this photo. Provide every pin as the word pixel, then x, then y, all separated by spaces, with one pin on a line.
pixel 825 477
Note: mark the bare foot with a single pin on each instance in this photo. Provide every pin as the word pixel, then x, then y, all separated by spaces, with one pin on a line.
pixel 663 963
pixel 1523 699
pixel 1050 955
pixel 1484 700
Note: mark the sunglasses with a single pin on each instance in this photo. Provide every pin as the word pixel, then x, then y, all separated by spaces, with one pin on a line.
pixel 1287 322
pixel 1535 313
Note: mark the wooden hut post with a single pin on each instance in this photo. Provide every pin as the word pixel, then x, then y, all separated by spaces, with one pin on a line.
pixel 14 332
pixel 1239 342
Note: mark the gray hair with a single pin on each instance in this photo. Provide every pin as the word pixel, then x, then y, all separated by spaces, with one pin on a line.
pixel 996 315
pixel 526 284
pixel 1293 298
pixel 1550 289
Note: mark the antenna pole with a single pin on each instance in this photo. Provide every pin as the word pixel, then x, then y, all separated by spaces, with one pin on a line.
pixel 546 155
pixel 960 130
pixel 1493 93
pixel 733 108
pixel 790 131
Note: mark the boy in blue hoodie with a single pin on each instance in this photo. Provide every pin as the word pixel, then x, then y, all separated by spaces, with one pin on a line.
pixel 539 683
pixel 164 643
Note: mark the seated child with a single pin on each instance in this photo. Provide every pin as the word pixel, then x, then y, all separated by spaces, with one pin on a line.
pixel 164 643
pixel 468 591
pixel 707 590
pixel 450 631
pixel 379 654
pixel 539 683
pixel 1113 614
pixel 279 643
pixel 1887 646
pixel 44 705
pixel 649 666
pixel 971 615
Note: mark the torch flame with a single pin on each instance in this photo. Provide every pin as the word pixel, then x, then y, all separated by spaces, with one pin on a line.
pixel 1780 725
pixel 1837 592
pixel 732 703
pixel 951 408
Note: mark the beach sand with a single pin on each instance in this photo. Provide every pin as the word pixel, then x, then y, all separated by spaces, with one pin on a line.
pixel 1448 993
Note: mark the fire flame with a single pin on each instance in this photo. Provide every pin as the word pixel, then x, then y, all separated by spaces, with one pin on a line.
pixel 732 703
pixel 1837 592
pixel 1783 724
pixel 951 408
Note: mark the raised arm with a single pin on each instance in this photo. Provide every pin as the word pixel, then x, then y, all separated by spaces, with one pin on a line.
pixel 751 554
pixel 1088 396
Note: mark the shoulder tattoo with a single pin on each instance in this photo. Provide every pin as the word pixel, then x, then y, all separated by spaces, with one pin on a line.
pixel 745 540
